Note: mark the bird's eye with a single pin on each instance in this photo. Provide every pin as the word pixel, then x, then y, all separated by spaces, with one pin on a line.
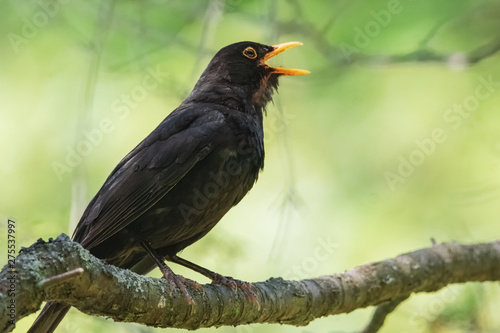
pixel 250 53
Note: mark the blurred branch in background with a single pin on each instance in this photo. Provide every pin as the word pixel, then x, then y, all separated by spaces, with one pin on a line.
pixel 108 291
pixel 96 49
pixel 347 54
pixel 381 314
pixel 213 14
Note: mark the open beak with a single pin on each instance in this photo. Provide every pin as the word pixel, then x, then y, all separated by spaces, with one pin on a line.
pixel 278 48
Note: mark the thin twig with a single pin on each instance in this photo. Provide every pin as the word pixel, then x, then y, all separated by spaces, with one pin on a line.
pixel 381 312
pixel 53 280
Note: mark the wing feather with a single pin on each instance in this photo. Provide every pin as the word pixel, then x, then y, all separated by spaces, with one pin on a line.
pixel 149 172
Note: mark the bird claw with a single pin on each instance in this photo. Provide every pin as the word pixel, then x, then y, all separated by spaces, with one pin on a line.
pixel 247 288
pixel 226 281
pixel 179 281
pixel 191 283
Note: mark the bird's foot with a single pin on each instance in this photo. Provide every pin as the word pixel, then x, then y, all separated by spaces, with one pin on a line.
pixel 247 288
pixel 180 282
pixel 191 283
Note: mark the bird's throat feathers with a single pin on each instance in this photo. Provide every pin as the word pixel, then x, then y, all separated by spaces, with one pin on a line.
pixel 239 98
pixel 231 85
pixel 264 92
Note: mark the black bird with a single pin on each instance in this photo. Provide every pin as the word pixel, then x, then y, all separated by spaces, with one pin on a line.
pixel 171 189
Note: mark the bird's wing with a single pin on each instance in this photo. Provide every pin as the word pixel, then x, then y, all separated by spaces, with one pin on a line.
pixel 149 172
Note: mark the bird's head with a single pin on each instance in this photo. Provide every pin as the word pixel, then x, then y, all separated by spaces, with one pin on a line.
pixel 242 66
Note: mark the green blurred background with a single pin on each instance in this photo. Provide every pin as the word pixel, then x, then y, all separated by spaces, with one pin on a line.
pixel 391 140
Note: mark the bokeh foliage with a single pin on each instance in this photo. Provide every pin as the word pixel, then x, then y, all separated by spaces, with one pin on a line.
pixel 385 75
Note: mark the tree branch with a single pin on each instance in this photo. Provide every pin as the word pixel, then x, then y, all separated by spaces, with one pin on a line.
pixel 125 296
pixel 381 313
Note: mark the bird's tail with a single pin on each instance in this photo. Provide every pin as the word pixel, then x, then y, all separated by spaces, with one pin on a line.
pixel 49 318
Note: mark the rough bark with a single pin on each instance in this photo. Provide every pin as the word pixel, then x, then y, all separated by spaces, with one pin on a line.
pixel 119 294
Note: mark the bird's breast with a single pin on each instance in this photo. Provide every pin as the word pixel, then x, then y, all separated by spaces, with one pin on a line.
pixel 203 196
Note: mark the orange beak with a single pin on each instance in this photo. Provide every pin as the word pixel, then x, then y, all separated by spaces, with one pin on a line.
pixel 278 48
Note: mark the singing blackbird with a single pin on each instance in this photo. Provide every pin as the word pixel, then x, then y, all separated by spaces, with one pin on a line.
pixel 171 189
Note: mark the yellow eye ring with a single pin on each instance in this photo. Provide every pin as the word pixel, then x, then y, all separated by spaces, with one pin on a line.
pixel 250 53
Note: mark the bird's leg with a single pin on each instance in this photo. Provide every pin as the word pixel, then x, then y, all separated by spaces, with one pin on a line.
pixel 247 288
pixel 173 279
